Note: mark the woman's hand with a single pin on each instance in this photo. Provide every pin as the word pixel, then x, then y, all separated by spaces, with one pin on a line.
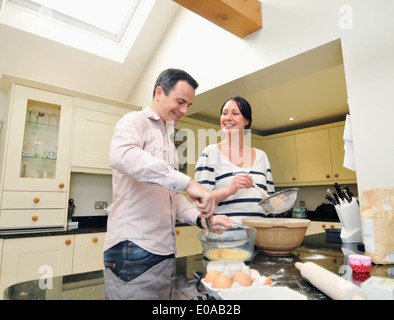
pixel 240 181
pixel 219 222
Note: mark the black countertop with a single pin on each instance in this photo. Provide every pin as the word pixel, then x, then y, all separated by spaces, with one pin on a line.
pixel 179 279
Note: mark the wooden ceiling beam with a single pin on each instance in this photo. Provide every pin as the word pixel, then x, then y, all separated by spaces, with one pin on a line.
pixel 240 17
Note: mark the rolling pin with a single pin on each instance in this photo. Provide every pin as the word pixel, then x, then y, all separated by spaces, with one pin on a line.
pixel 334 286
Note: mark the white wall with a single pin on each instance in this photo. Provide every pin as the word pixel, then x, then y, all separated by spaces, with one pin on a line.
pixel 215 57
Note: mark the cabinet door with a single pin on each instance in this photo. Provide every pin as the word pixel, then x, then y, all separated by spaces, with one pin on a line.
pixel 93 131
pixel 338 155
pixel 187 243
pixel 88 252
pixel 27 259
pixel 281 153
pixel 314 156
pixel 38 147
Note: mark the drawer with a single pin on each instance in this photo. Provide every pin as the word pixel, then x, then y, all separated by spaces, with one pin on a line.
pixel 20 219
pixel 34 200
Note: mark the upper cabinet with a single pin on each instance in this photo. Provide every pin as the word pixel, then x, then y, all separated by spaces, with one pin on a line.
pixel 48 132
pixel 94 125
pixel 38 147
pixel 35 159
pixel 312 156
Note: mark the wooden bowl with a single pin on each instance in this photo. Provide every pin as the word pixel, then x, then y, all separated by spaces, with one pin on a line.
pixel 278 236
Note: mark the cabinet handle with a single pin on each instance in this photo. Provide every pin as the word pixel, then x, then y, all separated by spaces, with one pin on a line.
pixel 61 185
pixel 332 226
pixel 36 200
pixel 323 226
pixel 336 175
pixel 67 242
pixel 294 179
pixel 95 239
pixel 176 231
pixel 34 218
pixel 328 176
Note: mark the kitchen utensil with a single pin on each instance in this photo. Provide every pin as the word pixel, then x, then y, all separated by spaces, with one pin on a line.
pixel 236 243
pixel 334 195
pixel 331 199
pixel 278 236
pixel 349 193
pixel 286 199
pixel 334 286
pixel 276 203
pixel 215 236
pixel 339 191
pixel 345 195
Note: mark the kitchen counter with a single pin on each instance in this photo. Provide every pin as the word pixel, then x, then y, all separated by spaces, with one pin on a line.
pixel 179 279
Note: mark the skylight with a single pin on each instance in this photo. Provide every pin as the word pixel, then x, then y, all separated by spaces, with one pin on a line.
pixel 104 27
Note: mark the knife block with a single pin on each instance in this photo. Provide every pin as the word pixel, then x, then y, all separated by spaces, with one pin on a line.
pixel 350 216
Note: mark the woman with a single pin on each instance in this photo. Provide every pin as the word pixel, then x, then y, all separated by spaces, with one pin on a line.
pixel 230 167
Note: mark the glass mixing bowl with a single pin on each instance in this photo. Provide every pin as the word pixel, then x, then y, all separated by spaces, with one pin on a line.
pixel 234 244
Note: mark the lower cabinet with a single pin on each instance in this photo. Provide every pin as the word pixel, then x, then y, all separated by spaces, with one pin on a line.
pixel 187 243
pixel 88 252
pixel 31 258
pixel 320 226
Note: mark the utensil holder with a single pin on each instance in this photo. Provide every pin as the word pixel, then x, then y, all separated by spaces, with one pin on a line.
pixel 350 217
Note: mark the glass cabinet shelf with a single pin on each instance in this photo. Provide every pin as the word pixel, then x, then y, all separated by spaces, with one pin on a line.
pixel 40 142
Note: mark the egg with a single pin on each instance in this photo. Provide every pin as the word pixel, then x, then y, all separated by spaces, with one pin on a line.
pixel 222 282
pixel 242 278
pixel 211 275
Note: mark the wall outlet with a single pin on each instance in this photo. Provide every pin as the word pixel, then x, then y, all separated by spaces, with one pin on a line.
pixel 100 205
pixel 302 203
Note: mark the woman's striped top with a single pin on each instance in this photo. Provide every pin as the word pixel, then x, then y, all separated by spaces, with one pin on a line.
pixel 215 171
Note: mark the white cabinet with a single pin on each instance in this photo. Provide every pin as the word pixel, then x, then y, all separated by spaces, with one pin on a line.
pixel 281 153
pixel 187 243
pixel 33 258
pixel 320 226
pixel 25 259
pixel 88 252
pixel 312 156
pixel 94 125
pixel 35 164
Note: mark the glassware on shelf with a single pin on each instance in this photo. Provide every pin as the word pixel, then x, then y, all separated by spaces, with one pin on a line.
pixel 41 134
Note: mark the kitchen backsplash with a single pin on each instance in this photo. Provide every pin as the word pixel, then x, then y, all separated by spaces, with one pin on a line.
pixel 313 196
pixel 86 189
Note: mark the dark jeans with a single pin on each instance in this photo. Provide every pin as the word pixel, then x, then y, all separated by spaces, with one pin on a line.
pixel 127 260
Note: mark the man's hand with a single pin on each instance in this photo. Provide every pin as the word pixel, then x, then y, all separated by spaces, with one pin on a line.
pixel 202 197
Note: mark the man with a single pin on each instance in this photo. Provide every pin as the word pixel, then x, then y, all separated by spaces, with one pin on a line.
pixel 147 185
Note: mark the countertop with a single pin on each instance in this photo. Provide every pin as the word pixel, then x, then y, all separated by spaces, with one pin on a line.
pixel 179 279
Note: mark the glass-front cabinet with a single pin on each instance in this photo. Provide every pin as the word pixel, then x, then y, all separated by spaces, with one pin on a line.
pixel 39 141
pixel 36 159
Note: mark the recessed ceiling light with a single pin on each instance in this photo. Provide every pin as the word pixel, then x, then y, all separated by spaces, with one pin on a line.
pixel 291 119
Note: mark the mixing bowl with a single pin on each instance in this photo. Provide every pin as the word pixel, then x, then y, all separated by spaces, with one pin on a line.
pixel 280 201
pixel 235 244
pixel 278 236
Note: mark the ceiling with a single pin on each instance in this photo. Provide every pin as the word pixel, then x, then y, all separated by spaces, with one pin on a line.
pixel 309 87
